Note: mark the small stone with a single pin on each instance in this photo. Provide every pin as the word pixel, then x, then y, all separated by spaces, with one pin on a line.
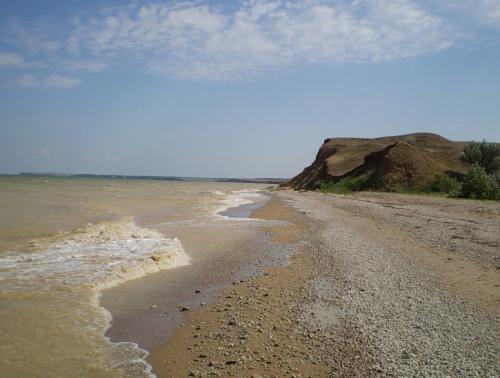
pixel 184 308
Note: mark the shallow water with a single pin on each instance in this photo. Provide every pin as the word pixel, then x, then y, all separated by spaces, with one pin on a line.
pixel 63 240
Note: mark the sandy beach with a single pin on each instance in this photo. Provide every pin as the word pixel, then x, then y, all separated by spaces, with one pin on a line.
pixel 375 285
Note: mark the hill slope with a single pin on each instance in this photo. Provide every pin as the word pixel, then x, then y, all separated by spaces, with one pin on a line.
pixel 390 162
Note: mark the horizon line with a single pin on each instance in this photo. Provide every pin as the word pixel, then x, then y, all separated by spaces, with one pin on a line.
pixel 158 177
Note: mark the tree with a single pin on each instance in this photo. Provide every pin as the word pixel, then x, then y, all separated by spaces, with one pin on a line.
pixel 486 155
pixel 478 184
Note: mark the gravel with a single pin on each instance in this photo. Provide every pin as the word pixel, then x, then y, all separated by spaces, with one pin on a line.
pixel 374 312
pixel 465 227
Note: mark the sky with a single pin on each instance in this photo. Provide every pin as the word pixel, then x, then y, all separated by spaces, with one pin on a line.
pixel 236 88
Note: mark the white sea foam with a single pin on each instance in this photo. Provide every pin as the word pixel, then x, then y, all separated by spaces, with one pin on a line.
pixel 95 256
pixel 237 198
pixel 100 255
pixel 131 359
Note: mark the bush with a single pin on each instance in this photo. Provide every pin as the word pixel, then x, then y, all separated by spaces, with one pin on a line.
pixel 479 185
pixel 486 155
pixel 347 184
pixel 441 184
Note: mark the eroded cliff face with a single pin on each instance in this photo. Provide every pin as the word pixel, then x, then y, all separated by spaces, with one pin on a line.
pixel 390 162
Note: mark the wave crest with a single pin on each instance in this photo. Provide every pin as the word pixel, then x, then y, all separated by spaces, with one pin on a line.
pixel 100 255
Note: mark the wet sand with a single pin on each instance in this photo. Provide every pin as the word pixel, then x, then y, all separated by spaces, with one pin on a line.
pixel 250 329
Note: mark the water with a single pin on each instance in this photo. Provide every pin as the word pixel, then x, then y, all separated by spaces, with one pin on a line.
pixel 63 240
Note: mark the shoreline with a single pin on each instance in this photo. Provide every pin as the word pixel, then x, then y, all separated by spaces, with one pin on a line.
pixel 251 324
pixel 147 311
pixel 365 295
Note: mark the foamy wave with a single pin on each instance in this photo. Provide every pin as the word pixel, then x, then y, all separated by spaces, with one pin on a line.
pixel 81 263
pixel 237 198
pixel 131 359
pixel 100 255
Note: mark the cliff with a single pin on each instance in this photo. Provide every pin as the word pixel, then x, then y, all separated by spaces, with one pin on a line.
pixel 391 163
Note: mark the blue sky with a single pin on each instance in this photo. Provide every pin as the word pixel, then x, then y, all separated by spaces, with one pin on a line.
pixel 237 89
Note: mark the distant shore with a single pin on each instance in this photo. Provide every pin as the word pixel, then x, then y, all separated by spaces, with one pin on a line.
pixel 258 180
pixel 380 284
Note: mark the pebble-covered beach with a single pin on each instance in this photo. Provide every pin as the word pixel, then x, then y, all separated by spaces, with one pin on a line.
pixel 364 294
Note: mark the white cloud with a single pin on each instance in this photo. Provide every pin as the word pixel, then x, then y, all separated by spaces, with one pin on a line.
pixel 58 81
pixel 51 81
pixel 90 66
pixel 8 59
pixel 198 41
pixel 34 37
pixel 227 41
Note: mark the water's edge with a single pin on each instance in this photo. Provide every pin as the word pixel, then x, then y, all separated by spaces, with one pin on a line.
pixel 144 326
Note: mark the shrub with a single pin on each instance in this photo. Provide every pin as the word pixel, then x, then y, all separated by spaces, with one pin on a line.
pixel 486 155
pixel 478 184
pixel 441 184
pixel 345 185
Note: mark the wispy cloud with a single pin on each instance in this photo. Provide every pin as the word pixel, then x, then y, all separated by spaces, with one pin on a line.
pixel 58 81
pixel 51 81
pixel 484 13
pixel 87 65
pixel 233 41
pixel 210 43
pixel 8 59
pixel 488 11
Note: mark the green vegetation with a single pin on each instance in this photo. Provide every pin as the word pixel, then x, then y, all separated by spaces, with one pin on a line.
pixel 481 182
pixel 483 179
pixel 345 185
pixel 440 184
pixel 478 184
pixel 484 154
